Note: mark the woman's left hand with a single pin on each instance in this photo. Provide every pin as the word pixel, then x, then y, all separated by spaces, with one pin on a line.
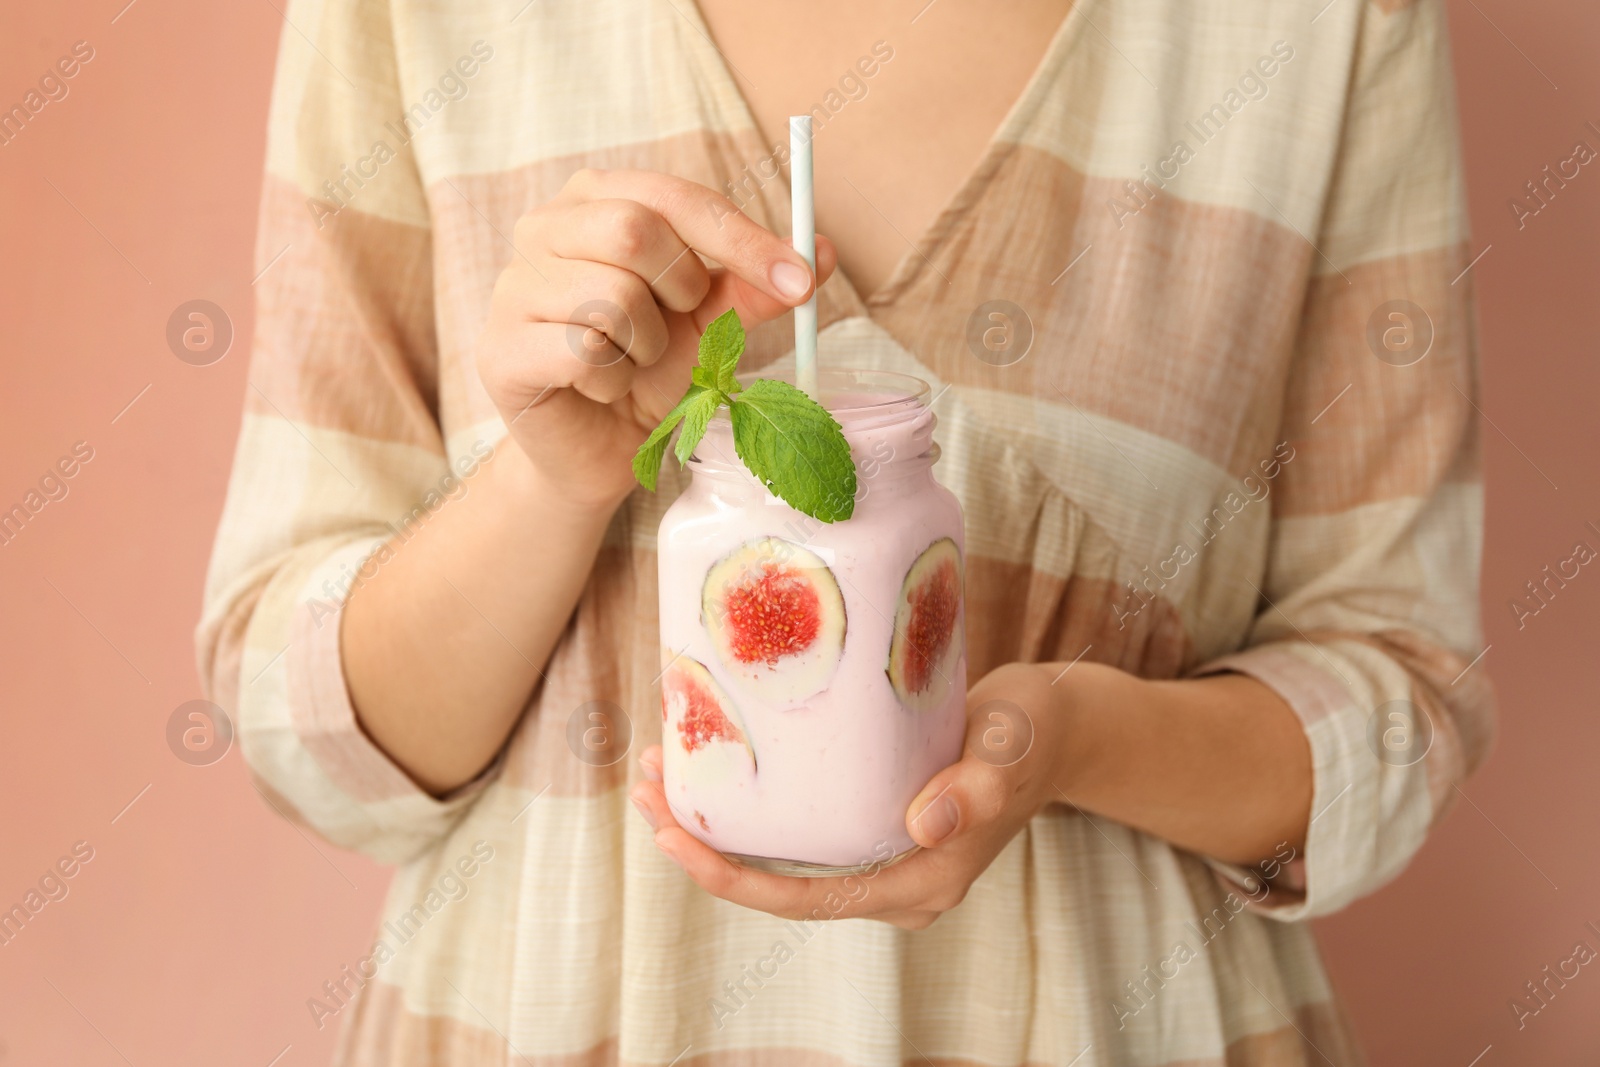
pixel 1016 737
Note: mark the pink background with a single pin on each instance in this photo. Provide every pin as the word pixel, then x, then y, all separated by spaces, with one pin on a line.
pixel 204 921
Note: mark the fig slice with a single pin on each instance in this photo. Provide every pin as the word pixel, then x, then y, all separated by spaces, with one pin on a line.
pixel 928 635
pixel 703 739
pixel 777 619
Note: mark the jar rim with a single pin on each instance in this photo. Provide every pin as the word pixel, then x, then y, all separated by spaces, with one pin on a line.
pixel 863 400
pixel 861 389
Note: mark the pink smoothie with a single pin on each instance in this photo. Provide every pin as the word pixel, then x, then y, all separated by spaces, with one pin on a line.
pixel 815 674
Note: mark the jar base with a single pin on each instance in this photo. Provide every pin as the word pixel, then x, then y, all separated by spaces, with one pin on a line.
pixel 802 869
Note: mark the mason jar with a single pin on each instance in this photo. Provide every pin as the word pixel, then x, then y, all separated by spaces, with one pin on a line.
pixel 814 674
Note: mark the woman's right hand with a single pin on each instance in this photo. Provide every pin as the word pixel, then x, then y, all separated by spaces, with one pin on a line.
pixel 594 325
pixel 444 645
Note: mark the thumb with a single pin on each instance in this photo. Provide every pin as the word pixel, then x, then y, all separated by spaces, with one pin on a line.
pixel 936 816
pixel 658 386
pixel 975 790
pixel 754 305
pixel 959 799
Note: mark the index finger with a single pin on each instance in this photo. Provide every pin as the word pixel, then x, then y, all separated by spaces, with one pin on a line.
pixel 708 222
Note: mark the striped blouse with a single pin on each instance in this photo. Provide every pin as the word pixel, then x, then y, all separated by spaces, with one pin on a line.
pixel 1228 425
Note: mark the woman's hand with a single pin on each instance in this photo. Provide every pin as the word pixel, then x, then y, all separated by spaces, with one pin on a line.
pixel 594 325
pixel 1017 732
pixel 592 331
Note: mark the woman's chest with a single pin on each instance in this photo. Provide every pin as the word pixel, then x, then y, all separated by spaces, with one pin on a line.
pixel 1073 300
pixel 904 98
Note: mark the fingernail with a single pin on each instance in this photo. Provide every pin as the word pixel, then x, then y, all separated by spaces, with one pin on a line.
pixel 651 771
pixel 791 280
pixel 938 820
pixel 644 813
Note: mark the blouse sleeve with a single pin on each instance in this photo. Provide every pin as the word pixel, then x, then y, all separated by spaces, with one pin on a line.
pixel 339 447
pixel 1367 621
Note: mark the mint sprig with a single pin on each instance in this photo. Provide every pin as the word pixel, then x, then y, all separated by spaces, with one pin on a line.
pixel 768 419
pixel 787 439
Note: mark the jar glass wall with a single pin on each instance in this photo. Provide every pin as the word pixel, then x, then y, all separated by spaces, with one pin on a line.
pixel 814 674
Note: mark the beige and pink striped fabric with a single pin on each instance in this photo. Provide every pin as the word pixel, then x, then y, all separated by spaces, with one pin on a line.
pixel 1200 464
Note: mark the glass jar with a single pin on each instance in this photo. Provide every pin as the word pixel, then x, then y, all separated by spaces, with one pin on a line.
pixel 814 674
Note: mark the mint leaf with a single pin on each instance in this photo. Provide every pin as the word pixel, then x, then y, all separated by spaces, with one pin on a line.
pixel 697 412
pixel 647 461
pixel 795 447
pixel 708 380
pixel 787 439
pixel 720 348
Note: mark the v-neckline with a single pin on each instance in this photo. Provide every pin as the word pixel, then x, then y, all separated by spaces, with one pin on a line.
pixel 919 255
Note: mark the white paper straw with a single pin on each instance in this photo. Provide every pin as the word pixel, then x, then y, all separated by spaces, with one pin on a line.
pixel 804 228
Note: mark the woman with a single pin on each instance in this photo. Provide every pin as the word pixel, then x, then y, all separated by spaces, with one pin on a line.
pixel 1219 470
